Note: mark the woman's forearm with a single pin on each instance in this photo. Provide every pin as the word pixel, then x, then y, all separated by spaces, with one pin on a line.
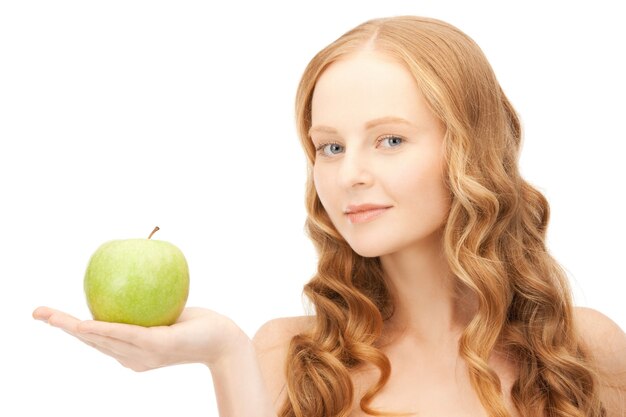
pixel 239 386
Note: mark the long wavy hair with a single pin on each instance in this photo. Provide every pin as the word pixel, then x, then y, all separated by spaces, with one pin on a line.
pixel 494 242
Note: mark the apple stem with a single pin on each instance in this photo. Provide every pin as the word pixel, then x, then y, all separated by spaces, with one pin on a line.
pixel 154 231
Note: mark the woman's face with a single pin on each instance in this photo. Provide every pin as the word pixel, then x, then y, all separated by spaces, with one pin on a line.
pixel 378 143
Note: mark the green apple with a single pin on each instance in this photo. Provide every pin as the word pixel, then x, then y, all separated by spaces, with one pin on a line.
pixel 137 281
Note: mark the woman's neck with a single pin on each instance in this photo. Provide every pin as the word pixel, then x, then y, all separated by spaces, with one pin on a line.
pixel 430 304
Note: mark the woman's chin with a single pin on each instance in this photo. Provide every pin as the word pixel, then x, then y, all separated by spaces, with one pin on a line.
pixel 369 251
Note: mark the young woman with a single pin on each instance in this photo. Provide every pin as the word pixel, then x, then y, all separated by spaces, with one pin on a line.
pixel 435 294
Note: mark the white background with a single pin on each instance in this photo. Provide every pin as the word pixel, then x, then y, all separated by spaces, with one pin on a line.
pixel 116 116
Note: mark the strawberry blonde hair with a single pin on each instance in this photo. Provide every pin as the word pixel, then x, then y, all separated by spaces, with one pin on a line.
pixel 494 242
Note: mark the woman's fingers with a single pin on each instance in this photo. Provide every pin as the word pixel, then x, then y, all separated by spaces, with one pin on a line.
pixel 117 347
pixel 115 354
pixel 124 332
pixel 129 333
pixel 194 338
pixel 57 318
pixel 88 331
pixel 44 313
pixel 134 357
pixel 136 363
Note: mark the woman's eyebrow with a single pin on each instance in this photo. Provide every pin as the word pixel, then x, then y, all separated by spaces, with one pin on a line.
pixel 369 125
pixel 322 129
pixel 387 120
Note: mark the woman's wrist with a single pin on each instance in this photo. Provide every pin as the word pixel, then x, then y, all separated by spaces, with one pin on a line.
pixel 240 348
pixel 239 386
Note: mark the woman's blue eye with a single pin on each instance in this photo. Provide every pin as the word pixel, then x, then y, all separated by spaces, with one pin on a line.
pixel 392 139
pixel 335 148
pixel 330 145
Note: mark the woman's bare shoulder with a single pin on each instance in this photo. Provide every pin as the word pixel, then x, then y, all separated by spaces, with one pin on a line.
pixel 599 333
pixel 606 343
pixel 271 342
pixel 278 332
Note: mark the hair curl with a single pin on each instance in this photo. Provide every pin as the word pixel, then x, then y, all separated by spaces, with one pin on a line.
pixel 494 242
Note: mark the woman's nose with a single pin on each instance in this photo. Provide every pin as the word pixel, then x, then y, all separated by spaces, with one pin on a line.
pixel 355 170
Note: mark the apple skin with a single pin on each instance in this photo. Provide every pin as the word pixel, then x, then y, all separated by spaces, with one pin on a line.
pixel 137 281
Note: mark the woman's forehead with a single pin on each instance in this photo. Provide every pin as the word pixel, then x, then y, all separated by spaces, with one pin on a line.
pixel 366 85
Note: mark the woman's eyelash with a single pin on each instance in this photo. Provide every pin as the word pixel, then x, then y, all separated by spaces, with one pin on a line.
pixel 390 137
pixel 323 145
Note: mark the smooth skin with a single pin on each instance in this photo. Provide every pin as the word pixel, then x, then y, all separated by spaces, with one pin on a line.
pixel 396 163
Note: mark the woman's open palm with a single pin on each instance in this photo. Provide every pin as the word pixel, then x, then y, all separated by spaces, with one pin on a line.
pixel 200 335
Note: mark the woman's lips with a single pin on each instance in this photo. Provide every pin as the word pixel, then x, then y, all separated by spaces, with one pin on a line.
pixel 366 215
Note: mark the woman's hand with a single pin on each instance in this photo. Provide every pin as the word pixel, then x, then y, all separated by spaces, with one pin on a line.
pixel 200 335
